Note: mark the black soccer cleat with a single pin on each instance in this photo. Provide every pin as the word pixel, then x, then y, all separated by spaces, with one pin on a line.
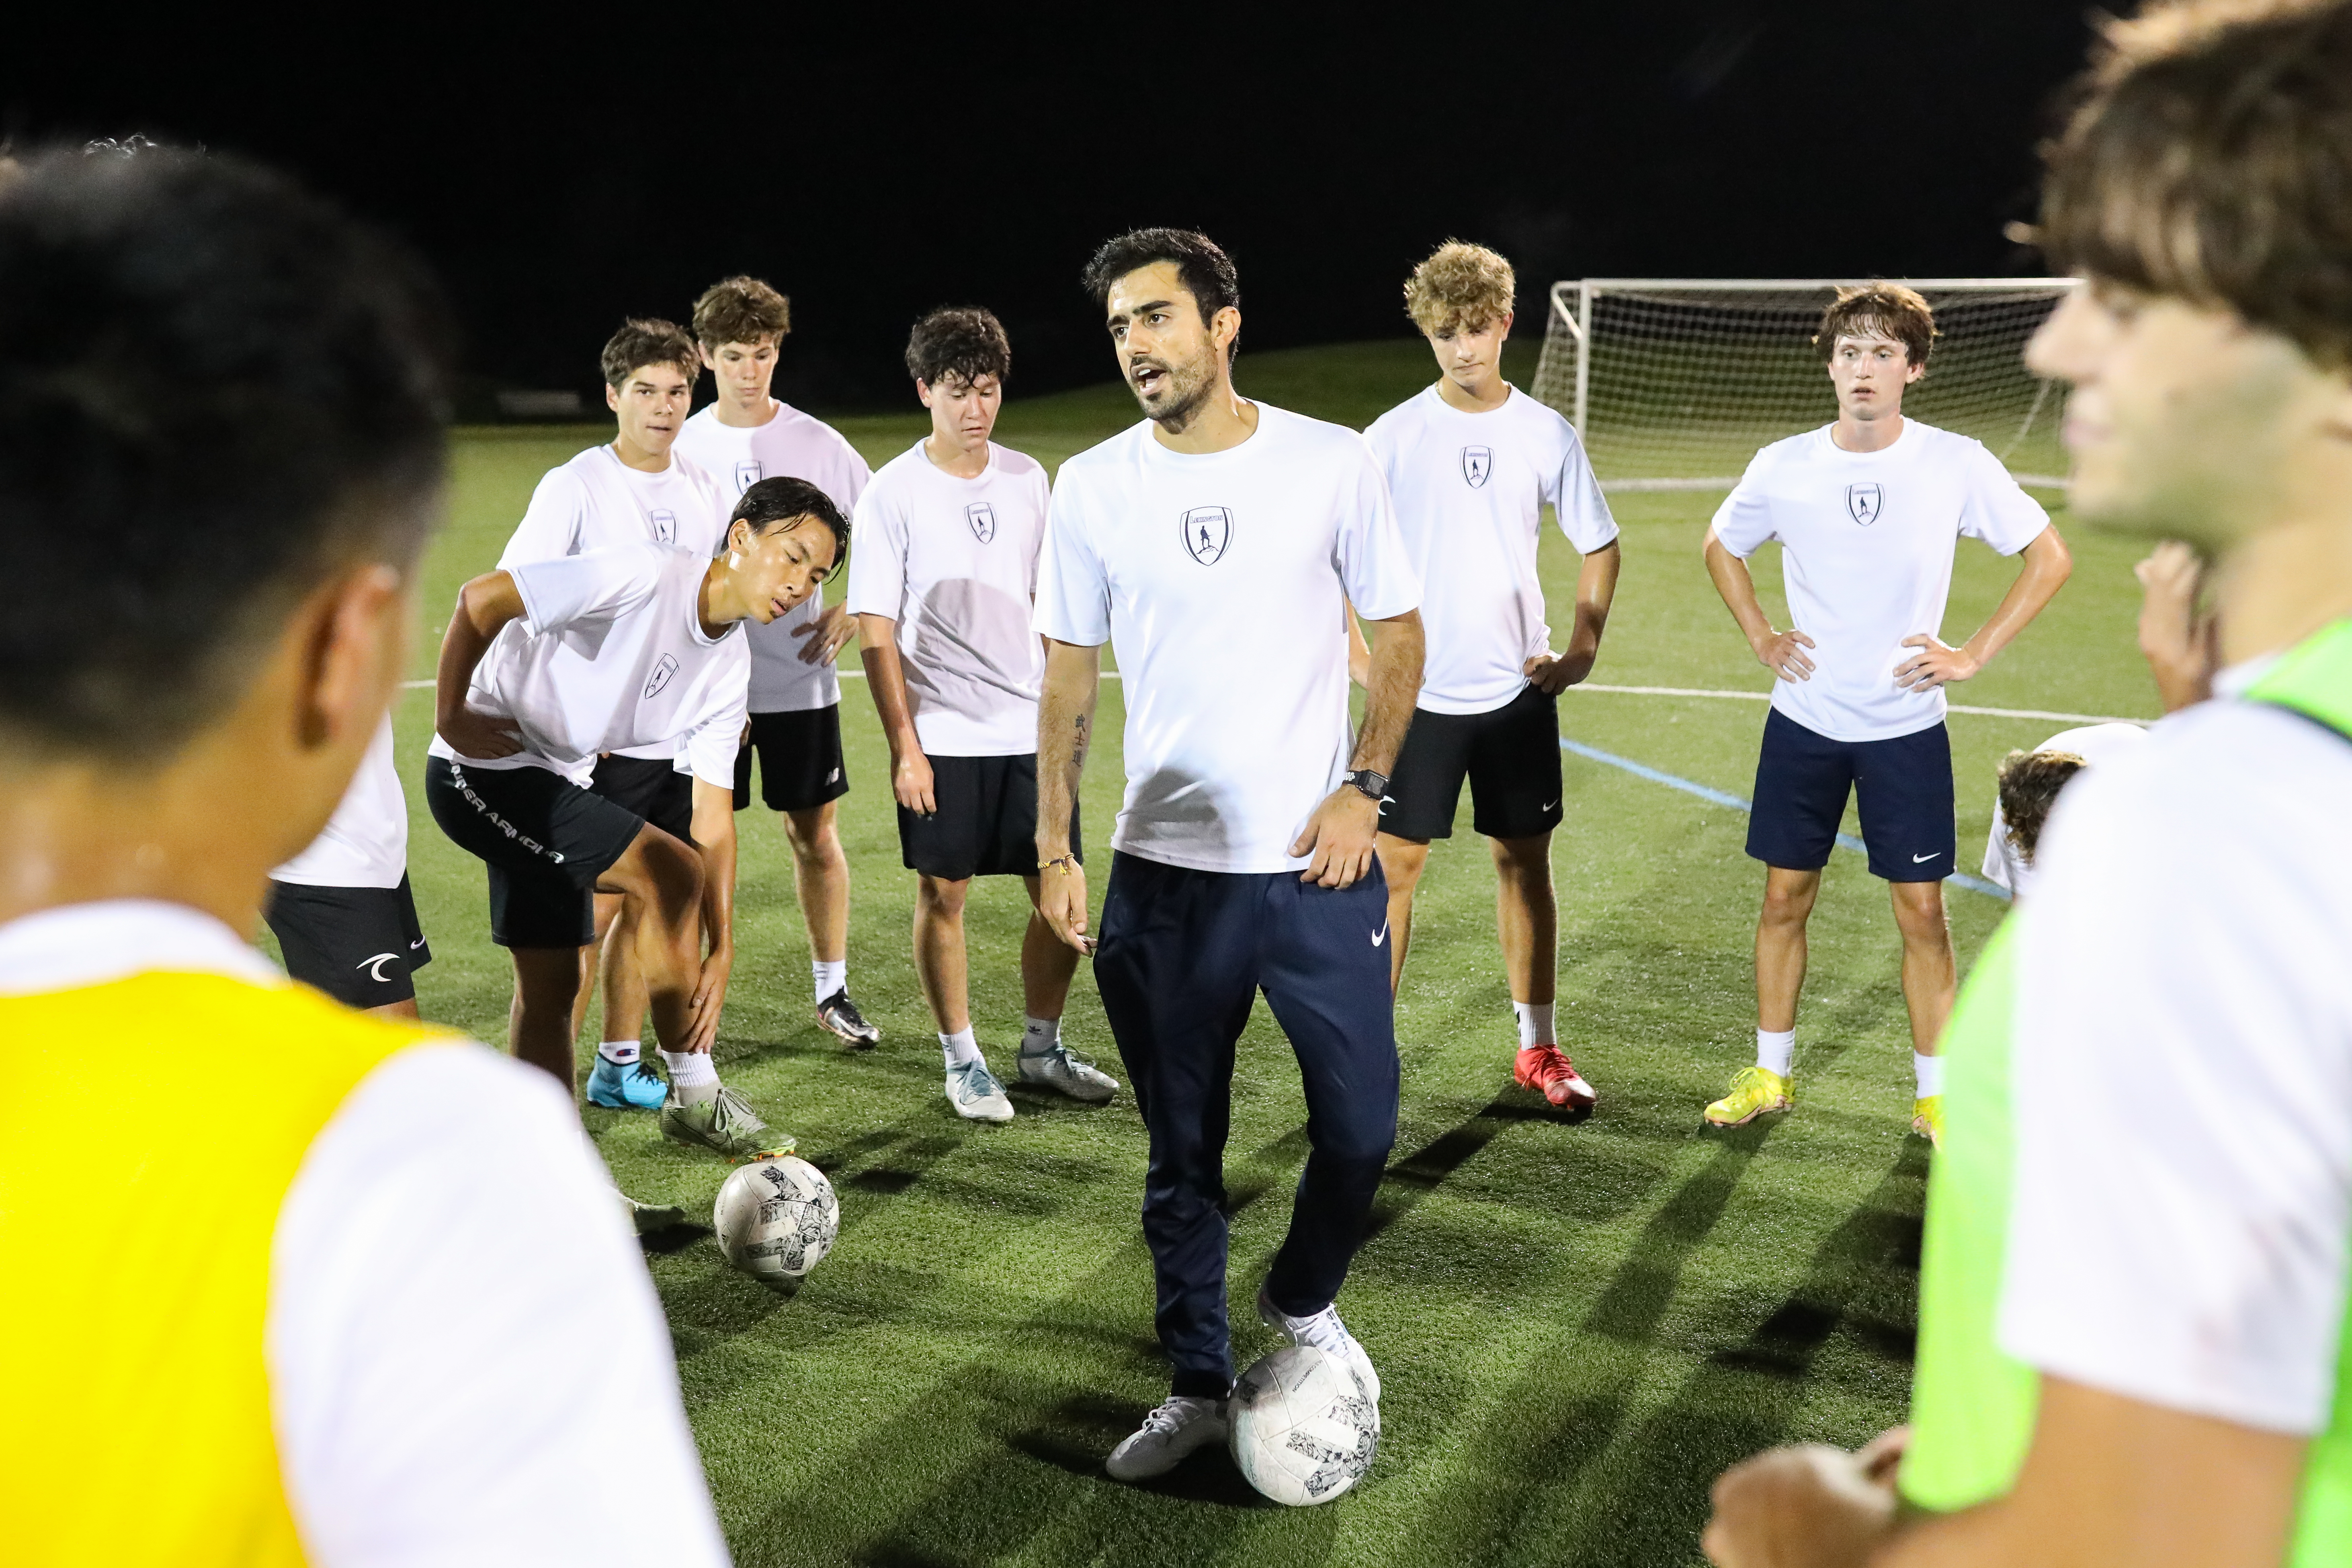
pixel 840 1014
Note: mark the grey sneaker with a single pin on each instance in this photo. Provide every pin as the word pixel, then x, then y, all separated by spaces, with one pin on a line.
pixel 1326 1333
pixel 1055 1068
pixel 648 1218
pixel 976 1095
pixel 840 1014
pixel 725 1122
pixel 1167 1436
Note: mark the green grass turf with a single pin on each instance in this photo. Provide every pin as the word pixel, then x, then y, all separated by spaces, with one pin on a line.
pixel 1577 1326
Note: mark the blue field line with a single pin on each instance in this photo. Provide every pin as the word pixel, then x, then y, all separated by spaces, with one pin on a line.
pixel 1718 797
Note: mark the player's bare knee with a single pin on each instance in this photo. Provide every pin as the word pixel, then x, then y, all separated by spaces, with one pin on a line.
pixel 943 896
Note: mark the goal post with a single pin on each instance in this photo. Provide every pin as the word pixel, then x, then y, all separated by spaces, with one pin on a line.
pixel 1674 382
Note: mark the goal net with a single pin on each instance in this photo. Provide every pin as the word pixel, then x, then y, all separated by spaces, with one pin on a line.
pixel 1674 382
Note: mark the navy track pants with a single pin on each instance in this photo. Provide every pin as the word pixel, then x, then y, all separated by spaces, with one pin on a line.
pixel 1183 954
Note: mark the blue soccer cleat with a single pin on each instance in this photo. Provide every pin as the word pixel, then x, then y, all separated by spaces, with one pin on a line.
pixel 631 1086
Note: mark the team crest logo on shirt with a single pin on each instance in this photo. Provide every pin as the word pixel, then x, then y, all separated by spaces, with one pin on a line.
pixel 982 518
pixel 1863 502
pixel 1207 531
pixel 748 473
pixel 664 523
pixel 1477 462
pixel 660 676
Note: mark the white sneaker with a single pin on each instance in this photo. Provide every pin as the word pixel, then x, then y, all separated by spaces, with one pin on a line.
pixel 1055 1068
pixel 976 1095
pixel 1326 1333
pixel 1167 1436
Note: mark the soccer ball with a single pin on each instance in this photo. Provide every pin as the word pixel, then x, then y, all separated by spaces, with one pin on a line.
pixel 776 1220
pixel 1301 1426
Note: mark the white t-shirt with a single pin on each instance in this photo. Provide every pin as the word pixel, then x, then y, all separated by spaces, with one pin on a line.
pixel 1867 543
pixel 2003 865
pixel 791 444
pixel 1469 490
pixel 2183 1059
pixel 1221 580
pixel 365 843
pixel 954 562
pixel 437 1391
pixel 610 654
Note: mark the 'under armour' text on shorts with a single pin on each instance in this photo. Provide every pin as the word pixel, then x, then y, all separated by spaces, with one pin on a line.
pixel 1902 788
pixel 545 839
pixel 359 945
pixel 986 824
pixel 800 760
pixel 1510 755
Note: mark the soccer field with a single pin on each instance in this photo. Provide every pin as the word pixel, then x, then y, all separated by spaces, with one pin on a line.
pixel 1577 1326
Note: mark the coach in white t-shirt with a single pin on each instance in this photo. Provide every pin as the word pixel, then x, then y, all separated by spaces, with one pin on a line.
pixel 1471 462
pixel 744 437
pixel 941 581
pixel 1217 546
pixel 1866 510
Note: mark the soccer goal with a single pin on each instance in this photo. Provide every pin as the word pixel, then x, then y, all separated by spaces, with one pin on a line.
pixel 1674 383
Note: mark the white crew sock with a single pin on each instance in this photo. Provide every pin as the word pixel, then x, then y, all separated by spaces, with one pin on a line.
pixel 1536 1025
pixel 690 1069
pixel 1776 1051
pixel 830 975
pixel 1929 1071
pixel 620 1053
pixel 1039 1035
pixel 960 1047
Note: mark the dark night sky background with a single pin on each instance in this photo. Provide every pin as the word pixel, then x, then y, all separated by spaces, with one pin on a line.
pixel 564 169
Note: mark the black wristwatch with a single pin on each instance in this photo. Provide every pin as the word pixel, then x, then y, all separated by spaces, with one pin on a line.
pixel 1375 785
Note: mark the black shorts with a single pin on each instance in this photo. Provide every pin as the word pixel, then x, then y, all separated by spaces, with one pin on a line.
pixel 359 945
pixel 800 760
pixel 1510 755
pixel 651 787
pixel 1903 787
pixel 545 839
pixel 986 824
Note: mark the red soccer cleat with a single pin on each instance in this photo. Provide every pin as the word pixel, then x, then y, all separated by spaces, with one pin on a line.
pixel 1548 1072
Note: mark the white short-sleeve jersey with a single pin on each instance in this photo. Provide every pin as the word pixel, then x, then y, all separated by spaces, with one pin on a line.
pixel 1222 581
pixel 1469 491
pixel 954 562
pixel 791 445
pixel 1866 541
pixel 611 654
pixel 2003 865
pixel 365 843
pixel 2189 927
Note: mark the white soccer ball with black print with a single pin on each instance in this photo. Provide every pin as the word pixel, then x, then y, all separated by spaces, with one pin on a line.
pixel 776 1220
pixel 1303 1429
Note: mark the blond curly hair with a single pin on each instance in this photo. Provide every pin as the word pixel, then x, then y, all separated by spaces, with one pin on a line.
pixel 1462 287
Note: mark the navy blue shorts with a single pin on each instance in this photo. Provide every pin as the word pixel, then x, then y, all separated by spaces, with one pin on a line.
pixel 1903 788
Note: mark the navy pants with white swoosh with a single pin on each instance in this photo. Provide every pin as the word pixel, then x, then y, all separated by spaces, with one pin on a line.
pixel 1183 955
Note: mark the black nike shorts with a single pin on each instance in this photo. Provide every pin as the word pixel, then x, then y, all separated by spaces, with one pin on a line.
pixel 800 760
pixel 986 824
pixel 1902 788
pixel 1510 755
pixel 650 786
pixel 359 945
pixel 545 840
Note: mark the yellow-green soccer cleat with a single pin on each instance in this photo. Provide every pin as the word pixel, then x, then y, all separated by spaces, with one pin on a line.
pixel 1927 1119
pixel 725 1122
pixel 1754 1091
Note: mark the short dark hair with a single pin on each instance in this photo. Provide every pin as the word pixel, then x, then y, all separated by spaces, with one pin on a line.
pixel 961 341
pixel 2207 158
pixel 648 340
pixel 783 500
pixel 740 310
pixel 216 390
pixel 2030 782
pixel 1879 310
pixel 1205 271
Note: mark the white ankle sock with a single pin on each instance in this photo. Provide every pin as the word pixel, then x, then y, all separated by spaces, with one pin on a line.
pixel 960 1047
pixel 1039 1035
pixel 620 1053
pixel 829 975
pixel 1536 1025
pixel 689 1069
pixel 1929 1072
pixel 1776 1052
